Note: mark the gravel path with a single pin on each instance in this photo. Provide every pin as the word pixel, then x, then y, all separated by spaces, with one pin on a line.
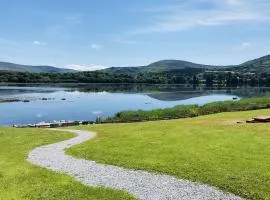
pixel 141 184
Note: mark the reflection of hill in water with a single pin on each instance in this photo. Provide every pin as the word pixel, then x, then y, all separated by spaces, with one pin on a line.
pixel 184 95
pixel 250 92
pixel 167 92
pixel 175 96
pixel 160 92
pixel 171 92
pixel 7 91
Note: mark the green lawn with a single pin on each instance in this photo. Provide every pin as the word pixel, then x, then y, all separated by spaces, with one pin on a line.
pixel 211 149
pixel 21 180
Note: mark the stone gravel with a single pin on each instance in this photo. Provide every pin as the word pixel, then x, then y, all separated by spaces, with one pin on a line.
pixel 141 184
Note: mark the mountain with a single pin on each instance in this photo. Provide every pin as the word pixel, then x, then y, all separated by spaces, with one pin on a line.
pixel 257 65
pixel 261 65
pixel 265 60
pixel 168 65
pixel 5 66
pixel 163 66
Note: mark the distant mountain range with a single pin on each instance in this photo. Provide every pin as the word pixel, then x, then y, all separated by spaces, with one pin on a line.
pixel 162 66
pixel 5 66
pixel 257 65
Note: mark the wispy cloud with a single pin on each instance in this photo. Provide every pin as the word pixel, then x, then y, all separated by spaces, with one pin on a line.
pixel 79 67
pixel 39 43
pixel 123 40
pixel 246 44
pixel 74 19
pixel 9 42
pixel 62 25
pixel 234 2
pixel 96 46
pixel 198 13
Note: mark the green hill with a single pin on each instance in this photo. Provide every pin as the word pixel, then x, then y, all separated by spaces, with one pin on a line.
pixel 257 65
pixel 156 70
pixel 167 65
pixel 163 66
pixel 5 66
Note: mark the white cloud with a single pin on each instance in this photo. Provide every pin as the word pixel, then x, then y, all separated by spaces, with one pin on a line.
pixel 96 46
pixel 39 43
pixel 243 46
pixel 74 19
pixel 246 44
pixel 197 13
pixel 234 2
pixel 91 67
pixel 123 40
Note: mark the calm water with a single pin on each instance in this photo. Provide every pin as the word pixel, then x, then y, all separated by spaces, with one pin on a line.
pixel 86 102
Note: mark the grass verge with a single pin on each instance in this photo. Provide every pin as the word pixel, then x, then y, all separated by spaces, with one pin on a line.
pixel 210 149
pixel 21 180
pixel 187 111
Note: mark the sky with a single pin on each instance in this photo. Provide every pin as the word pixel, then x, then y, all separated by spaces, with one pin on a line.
pixel 94 34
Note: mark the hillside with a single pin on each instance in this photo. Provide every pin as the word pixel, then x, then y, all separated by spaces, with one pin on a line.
pixel 123 70
pixel 5 66
pixel 163 66
pixel 259 65
pixel 167 65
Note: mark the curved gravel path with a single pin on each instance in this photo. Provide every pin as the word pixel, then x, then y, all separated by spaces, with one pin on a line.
pixel 141 184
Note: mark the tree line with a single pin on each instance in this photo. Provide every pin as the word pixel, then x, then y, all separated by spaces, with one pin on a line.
pixel 190 76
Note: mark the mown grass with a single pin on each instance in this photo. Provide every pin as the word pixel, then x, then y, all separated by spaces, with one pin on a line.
pixel 21 180
pixel 210 149
pixel 185 111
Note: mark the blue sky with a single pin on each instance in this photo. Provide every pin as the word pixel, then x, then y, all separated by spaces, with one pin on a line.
pixel 91 34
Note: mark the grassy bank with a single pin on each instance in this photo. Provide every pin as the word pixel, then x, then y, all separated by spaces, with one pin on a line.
pixel 211 149
pixel 9 100
pixel 21 180
pixel 191 110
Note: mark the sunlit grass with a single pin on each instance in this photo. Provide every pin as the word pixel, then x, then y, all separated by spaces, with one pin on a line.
pixel 212 149
pixel 20 180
